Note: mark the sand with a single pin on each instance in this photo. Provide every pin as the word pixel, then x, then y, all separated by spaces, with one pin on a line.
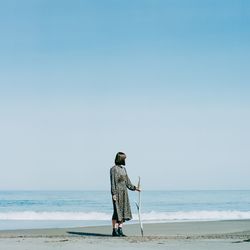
pixel 221 235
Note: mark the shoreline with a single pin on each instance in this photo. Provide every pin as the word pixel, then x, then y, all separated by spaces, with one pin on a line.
pixel 163 229
pixel 203 235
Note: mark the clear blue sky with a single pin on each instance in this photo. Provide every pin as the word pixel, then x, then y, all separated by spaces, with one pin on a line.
pixel 165 81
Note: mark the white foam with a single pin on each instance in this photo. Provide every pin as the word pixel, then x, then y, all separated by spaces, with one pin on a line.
pixel 31 215
pixel 195 215
pixel 149 217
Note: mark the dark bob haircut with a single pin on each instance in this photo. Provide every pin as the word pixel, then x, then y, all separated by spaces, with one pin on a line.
pixel 120 159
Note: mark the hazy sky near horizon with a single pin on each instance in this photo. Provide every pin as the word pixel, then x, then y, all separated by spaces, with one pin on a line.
pixel 165 81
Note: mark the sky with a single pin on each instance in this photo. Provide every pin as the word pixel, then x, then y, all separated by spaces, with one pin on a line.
pixel 165 81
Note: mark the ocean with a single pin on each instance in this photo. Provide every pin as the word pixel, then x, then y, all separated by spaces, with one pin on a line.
pixel 55 209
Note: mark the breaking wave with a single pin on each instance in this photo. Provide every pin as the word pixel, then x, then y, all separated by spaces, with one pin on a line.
pixel 147 217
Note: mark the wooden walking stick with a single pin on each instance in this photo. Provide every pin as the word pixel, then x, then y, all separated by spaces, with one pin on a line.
pixel 138 205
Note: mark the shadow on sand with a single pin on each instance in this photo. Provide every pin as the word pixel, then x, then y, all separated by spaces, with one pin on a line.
pixel 242 241
pixel 89 234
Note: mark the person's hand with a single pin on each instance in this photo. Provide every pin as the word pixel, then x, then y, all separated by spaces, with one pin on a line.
pixel 114 197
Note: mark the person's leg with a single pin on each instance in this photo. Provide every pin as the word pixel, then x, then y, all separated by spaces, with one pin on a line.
pixel 120 232
pixel 114 221
pixel 115 228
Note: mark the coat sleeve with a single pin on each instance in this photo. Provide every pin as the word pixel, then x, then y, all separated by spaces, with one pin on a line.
pixel 112 181
pixel 129 184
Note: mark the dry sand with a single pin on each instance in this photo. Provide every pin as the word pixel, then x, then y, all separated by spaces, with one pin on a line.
pixel 221 235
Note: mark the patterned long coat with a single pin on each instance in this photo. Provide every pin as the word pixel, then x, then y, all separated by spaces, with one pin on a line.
pixel 120 182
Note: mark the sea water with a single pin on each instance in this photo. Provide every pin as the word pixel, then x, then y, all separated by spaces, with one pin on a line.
pixel 49 209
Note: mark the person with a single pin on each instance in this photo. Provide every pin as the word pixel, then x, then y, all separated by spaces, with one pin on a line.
pixel 120 182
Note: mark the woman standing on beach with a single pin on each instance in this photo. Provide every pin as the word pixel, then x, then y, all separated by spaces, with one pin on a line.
pixel 120 182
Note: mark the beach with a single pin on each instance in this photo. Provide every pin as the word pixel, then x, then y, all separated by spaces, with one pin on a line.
pixel 214 235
